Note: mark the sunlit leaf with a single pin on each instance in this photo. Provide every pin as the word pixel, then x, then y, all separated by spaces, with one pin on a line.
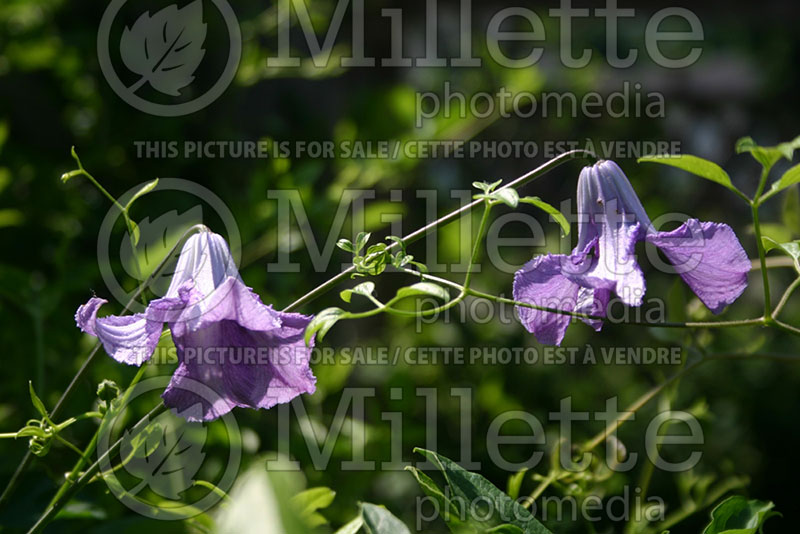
pixel 323 322
pixel 507 196
pixel 146 188
pixel 351 527
pixel 346 245
pixel 695 165
pixel 308 502
pixel 791 249
pixel 790 177
pixel 37 402
pixel 361 240
pixel 423 289
pixel 547 208
pixel 767 156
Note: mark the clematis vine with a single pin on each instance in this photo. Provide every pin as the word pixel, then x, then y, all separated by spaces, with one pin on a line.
pixel 708 256
pixel 251 355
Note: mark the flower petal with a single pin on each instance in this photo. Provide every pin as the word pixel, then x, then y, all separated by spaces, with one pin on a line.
pixel 616 261
pixel 612 218
pixel 540 282
pixel 230 301
pixel 246 368
pixel 709 258
pixel 129 339
pixel 593 302
pixel 206 260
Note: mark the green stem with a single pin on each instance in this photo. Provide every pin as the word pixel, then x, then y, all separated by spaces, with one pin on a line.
pixel 652 393
pixel 54 508
pixel 69 444
pixel 463 289
pixel 26 460
pixel 636 406
pixel 476 248
pixel 442 221
pixel 89 451
pixel 209 486
pixel 785 298
pixel 762 258
pixel 539 489
pixel 789 329
pixel 762 255
pixel 688 324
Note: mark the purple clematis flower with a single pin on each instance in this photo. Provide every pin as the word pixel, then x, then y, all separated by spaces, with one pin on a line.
pixel 708 257
pixel 249 354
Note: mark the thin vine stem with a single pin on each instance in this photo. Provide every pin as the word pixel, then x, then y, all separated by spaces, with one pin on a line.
pixel 87 475
pixel 26 460
pixel 463 289
pixel 87 453
pixel 762 254
pixel 785 298
pixel 654 391
pixel 443 221
pixel 757 321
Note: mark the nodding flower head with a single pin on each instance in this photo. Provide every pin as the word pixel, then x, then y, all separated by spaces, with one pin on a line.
pixel 226 339
pixel 611 220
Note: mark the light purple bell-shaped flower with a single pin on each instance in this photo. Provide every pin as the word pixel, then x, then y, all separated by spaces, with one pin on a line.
pixel 249 354
pixel 708 257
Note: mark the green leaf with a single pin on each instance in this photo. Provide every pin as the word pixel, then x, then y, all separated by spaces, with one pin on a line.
pixel 361 240
pixel 790 210
pixel 698 166
pixel 37 402
pixel 308 502
pixel 67 176
pixel 789 178
pixel 421 289
pixel 448 509
pixel 429 486
pixel 507 196
pixel 323 322
pixel 791 249
pixel 379 520
pixel 146 188
pixel 365 289
pixel 351 527
pixel 82 510
pixel 767 156
pixel 547 208
pixel 346 245
pixel 469 489
pixel 737 515
pixel 505 529
pixel 485 186
pixel 515 482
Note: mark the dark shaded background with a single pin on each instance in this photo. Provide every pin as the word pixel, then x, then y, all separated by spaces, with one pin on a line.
pixel 53 95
